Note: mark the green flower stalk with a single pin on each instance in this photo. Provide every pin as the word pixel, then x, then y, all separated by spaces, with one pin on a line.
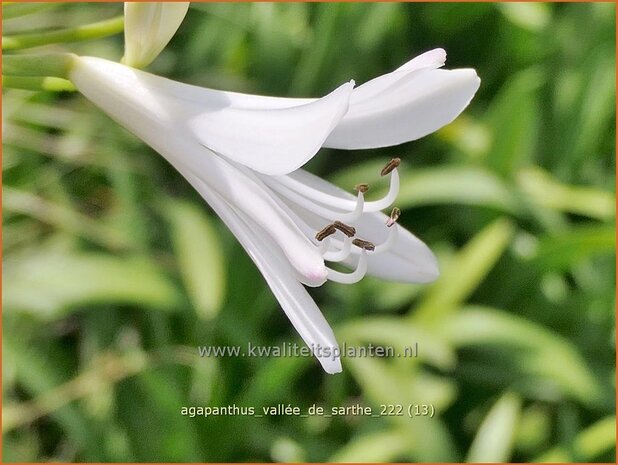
pixel 98 30
pixel 30 65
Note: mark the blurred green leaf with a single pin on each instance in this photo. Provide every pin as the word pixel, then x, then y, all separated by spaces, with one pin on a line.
pixel 316 56
pixel 597 109
pixel 390 383
pixel 62 217
pixel 154 400
pixel 200 257
pixel 385 295
pixel 383 446
pixel 90 382
pixel 367 172
pixel 449 20
pixel 274 30
pixel 392 332
pixel 494 439
pixel 513 121
pixel 533 350
pixel 380 18
pixel 531 16
pixel 534 428
pixel 17 9
pixel 206 372
pixel 563 250
pixel 469 135
pixel 50 284
pixel 544 190
pixel 596 439
pixel 275 380
pixel 449 184
pixel 23 447
pixel 39 372
pixel 287 450
pixel 465 272
pixel 455 185
pixel 589 444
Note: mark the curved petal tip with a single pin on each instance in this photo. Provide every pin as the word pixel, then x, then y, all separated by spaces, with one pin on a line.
pixel 331 364
pixel 409 108
pixel 271 141
pixel 432 59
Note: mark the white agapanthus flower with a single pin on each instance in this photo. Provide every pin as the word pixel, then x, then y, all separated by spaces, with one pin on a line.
pixel 148 27
pixel 242 153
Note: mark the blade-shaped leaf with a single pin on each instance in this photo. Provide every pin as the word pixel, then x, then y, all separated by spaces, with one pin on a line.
pixel 465 272
pixel 565 249
pixel 51 284
pixel 494 439
pixel 551 193
pixel 200 258
pixel 543 356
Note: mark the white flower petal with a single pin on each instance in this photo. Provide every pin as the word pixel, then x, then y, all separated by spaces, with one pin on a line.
pixel 404 105
pixel 121 95
pixel 270 141
pixel 432 59
pixel 372 89
pixel 266 134
pixel 148 27
pixel 280 250
pixel 277 135
pixel 294 299
pixel 412 106
pixel 428 60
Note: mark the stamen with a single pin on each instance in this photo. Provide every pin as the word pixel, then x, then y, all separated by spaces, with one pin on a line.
pixel 363 244
pixel 395 214
pixel 358 209
pixel 390 166
pixel 350 278
pixel 389 242
pixel 322 204
pixel 344 228
pixel 339 255
pixel 325 232
pixel 363 187
pixel 324 246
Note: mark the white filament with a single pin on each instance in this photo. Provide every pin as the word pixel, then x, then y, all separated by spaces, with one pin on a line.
pixel 324 245
pixel 339 255
pixel 389 242
pixel 299 190
pixel 350 278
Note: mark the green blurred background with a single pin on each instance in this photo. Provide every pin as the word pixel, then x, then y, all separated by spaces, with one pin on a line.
pixel 115 270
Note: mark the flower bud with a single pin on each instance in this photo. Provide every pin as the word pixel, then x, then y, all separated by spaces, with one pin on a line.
pixel 148 27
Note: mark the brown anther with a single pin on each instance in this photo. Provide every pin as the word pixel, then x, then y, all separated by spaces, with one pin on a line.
pixel 325 232
pixel 363 244
pixel 344 228
pixel 361 187
pixel 390 166
pixel 395 214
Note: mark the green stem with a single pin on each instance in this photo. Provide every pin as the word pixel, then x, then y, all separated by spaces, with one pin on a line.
pixel 97 30
pixel 56 65
pixel 52 84
pixel 15 9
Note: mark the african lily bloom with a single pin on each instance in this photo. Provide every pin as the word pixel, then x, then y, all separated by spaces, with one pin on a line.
pixel 148 27
pixel 242 153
